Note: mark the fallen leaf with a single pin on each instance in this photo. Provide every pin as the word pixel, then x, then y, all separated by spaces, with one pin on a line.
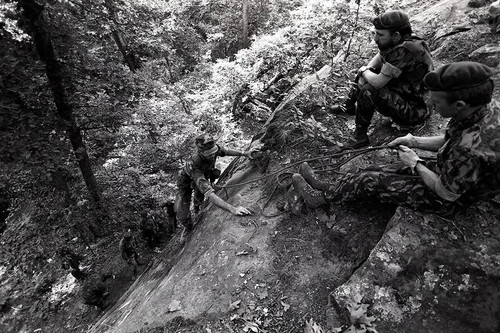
pixel 251 326
pixel 312 327
pixel 263 294
pixel 233 306
pixel 285 306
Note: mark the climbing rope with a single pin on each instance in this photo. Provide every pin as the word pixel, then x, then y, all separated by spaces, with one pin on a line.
pixel 284 178
pixel 342 153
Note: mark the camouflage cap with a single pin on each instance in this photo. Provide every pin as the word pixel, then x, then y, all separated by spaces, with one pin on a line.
pixel 458 75
pixel 391 20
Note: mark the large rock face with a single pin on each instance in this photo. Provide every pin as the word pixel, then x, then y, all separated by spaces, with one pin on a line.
pixel 428 274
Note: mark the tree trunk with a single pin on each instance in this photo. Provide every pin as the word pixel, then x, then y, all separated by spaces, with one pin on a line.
pixel 129 56
pixel 244 20
pixel 33 12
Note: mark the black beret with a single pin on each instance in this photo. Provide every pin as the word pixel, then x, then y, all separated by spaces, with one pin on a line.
pixel 391 20
pixel 458 75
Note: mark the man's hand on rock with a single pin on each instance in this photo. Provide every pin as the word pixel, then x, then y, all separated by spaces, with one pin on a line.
pixel 241 211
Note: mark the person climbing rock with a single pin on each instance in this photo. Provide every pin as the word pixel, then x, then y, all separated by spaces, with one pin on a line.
pixel 150 226
pixel 128 250
pixel 198 174
pixel 468 154
pixel 94 290
pixel 391 82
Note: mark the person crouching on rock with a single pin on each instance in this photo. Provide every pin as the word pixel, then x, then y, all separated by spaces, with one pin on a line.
pixel 197 174
pixel 468 154
pixel 94 291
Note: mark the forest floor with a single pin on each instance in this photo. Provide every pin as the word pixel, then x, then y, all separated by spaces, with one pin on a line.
pixel 291 246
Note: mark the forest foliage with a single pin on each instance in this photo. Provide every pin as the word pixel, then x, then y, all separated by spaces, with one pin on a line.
pixel 134 81
pixel 142 78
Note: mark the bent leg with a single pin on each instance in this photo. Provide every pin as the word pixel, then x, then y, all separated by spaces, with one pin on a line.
pixel 402 111
pixel 388 184
pixel 183 199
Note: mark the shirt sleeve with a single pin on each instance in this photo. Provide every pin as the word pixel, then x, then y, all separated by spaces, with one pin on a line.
pixel 460 172
pixel 399 59
pixel 222 151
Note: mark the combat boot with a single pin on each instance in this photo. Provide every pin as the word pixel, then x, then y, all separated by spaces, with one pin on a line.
pixel 311 178
pixel 313 198
pixel 358 140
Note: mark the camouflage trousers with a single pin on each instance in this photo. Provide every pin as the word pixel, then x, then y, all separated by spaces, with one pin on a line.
pixel 185 188
pixel 389 103
pixel 392 183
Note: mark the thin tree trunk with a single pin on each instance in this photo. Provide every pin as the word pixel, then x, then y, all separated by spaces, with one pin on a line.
pixel 129 56
pixel 34 14
pixel 244 40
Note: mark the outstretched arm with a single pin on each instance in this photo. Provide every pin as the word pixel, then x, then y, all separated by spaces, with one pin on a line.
pixel 216 200
pixel 247 153
pixel 430 143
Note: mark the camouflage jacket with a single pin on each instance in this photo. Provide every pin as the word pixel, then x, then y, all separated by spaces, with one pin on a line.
pixel 406 64
pixel 200 168
pixel 469 161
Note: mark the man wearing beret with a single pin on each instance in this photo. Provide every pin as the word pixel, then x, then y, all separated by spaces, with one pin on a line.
pixel 197 174
pixel 468 154
pixel 391 82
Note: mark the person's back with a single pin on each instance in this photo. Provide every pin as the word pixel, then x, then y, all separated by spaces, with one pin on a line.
pixel 414 56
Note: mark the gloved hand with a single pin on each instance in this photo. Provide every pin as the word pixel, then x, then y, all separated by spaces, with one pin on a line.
pixel 409 157
pixel 408 140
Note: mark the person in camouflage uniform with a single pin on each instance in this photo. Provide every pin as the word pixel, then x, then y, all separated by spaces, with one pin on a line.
pixel 391 82
pixel 94 290
pixel 72 260
pixel 197 174
pixel 128 251
pixel 468 154
pixel 150 226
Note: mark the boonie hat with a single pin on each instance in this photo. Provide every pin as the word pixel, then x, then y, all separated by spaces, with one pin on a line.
pixel 391 20
pixel 458 75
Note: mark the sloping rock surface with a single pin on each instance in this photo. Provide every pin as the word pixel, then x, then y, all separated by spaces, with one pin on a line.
pixel 353 268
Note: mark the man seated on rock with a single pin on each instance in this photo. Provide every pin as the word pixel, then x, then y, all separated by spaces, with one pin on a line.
pixel 468 154
pixel 197 174
pixel 391 82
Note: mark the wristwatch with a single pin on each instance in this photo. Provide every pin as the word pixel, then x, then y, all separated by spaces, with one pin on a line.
pixel 416 163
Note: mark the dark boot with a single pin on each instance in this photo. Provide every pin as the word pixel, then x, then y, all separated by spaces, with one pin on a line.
pixel 313 198
pixel 350 103
pixel 359 139
pixel 307 172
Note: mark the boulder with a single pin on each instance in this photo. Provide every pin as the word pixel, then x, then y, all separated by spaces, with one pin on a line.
pixel 428 274
pixel 478 3
pixel 488 54
pixel 494 16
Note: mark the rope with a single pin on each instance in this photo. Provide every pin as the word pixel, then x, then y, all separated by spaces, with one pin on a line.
pixel 345 152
